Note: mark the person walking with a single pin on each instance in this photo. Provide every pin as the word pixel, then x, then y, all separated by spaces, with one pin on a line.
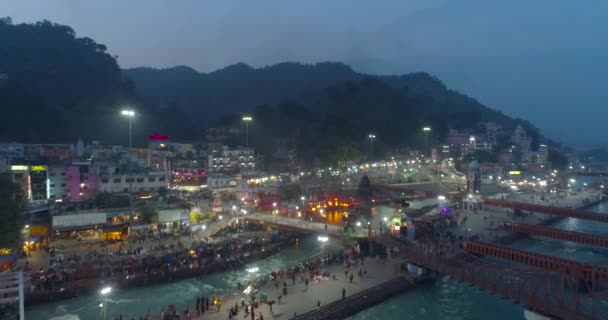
pixel 351 278
pixel 280 296
pixel 319 304
pixel 343 293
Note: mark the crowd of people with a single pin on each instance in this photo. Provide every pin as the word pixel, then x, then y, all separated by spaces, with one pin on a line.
pixel 146 257
pixel 282 279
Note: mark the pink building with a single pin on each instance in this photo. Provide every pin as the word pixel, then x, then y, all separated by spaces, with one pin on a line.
pixel 82 182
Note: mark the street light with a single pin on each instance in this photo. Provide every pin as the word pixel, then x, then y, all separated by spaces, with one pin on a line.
pixel 426 131
pixel 371 137
pixel 129 114
pixel 104 305
pixel 247 119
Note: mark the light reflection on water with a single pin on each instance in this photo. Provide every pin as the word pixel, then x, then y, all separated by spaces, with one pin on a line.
pixel 138 301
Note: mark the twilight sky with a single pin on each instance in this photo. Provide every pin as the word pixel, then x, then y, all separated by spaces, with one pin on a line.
pixel 542 60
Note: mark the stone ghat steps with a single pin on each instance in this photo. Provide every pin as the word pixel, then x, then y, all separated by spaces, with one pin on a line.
pixel 357 302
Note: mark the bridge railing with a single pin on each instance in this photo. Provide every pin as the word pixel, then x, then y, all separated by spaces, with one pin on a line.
pixel 542 291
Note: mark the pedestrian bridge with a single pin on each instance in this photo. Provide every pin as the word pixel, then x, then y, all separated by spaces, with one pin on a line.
pixel 301 225
pixel 555 294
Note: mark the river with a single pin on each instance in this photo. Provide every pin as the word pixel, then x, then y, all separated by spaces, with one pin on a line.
pixel 442 299
pixel 136 302
pixel 447 299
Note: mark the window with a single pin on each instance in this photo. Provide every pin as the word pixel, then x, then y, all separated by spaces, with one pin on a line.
pixel 104 180
pixel 63 184
pixel 140 179
pixel 161 179
pixel 129 180
pixel 18 175
pixel 151 179
pixel 117 180
pixel 63 173
pixel 52 174
pixel 52 185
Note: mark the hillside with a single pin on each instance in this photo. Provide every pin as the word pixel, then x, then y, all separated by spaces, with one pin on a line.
pixel 238 88
pixel 57 87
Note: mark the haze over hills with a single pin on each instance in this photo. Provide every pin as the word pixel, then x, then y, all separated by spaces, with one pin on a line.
pixel 239 87
pixel 76 89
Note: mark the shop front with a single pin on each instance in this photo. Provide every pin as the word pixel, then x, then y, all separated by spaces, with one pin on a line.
pixel 115 232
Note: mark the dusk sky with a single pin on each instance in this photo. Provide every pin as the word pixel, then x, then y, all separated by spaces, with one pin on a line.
pixel 542 60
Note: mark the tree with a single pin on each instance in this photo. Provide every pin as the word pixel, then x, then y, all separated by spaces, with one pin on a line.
pixel 12 205
pixel 558 160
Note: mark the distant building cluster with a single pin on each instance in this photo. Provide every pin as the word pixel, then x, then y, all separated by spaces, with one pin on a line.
pixel 79 172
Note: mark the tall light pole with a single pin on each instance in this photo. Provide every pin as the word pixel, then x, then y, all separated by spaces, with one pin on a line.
pixel 129 114
pixel 104 304
pixel 371 137
pixel 426 131
pixel 247 119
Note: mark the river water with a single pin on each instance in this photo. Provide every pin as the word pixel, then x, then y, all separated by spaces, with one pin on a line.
pixel 136 302
pixel 442 299
pixel 447 299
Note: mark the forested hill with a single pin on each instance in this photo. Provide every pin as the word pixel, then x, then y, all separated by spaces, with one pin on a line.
pixel 239 87
pixel 56 87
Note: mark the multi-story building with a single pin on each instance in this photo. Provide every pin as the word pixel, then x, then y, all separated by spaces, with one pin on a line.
pixel 231 160
pixel 33 180
pixel 10 152
pixel 521 139
pixel 50 152
pixel 115 179
pixel 536 158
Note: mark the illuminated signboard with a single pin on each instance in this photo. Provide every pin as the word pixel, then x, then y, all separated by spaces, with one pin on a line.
pixel 157 136
pixel 18 168
pixel 515 173
pixel 38 168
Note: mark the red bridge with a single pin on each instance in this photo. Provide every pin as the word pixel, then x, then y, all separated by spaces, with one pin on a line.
pixel 564 212
pixel 560 234
pixel 554 294
pixel 575 269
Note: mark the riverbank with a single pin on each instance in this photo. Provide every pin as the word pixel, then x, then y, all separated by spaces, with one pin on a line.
pixel 78 288
pixel 302 298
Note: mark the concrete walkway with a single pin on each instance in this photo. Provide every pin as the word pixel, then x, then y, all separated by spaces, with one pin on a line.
pixel 300 299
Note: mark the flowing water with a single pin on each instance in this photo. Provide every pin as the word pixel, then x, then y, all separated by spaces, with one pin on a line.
pixel 443 299
pixel 448 299
pixel 138 301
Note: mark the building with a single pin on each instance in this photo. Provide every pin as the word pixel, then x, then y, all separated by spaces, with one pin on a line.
pixel 493 131
pixel 538 159
pixel 114 179
pixel 520 138
pixel 231 160
pixel 219 181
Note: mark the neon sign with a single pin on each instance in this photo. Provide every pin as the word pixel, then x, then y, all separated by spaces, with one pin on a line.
pixel 157 136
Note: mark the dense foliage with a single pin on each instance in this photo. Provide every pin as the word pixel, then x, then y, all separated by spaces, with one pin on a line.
pixel 56 87
pixel 11 211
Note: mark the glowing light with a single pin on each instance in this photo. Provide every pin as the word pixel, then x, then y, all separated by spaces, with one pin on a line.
pixel 426 129
pixel 253 270
pixel 128 113
pixel 221 217
pixel 358 224
pixel 323 238
pixel 441 198
pixel 247 118
pixel 106 290
pixel 204 227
